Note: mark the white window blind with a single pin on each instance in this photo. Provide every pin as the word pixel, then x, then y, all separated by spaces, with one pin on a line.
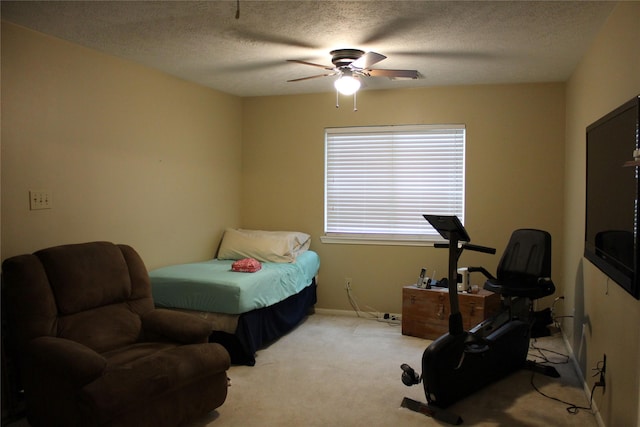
pixel 380 180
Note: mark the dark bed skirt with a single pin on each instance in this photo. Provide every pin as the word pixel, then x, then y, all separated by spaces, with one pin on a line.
pixel 260 327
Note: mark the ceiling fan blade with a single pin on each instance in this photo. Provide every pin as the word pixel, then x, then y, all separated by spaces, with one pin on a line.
pixel 398 27
pixel 255 36
pixel 326 67
pixel 367 60
pixel 312 77
pixel 401 74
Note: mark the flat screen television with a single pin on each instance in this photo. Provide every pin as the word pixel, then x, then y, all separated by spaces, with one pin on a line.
pixel 611 219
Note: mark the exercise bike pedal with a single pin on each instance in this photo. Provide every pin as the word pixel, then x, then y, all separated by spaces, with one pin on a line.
pixel 409 375
pixel 431 411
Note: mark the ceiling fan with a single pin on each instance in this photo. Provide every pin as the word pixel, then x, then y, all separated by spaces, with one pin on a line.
pixel 351 64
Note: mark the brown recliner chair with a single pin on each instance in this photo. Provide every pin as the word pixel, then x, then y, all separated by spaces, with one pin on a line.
pixel 93 350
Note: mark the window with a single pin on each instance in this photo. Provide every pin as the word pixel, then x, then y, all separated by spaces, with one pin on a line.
pixel 380 180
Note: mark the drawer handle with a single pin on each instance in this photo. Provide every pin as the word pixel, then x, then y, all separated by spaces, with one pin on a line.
pixel 440 314
pixel 473 309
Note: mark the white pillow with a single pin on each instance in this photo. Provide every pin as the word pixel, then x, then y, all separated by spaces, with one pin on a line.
pixel 265 246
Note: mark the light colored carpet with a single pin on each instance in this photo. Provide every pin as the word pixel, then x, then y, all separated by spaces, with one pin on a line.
pixel 345 371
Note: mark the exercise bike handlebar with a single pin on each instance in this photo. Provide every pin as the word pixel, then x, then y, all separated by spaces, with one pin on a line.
pixel 469 246
pixel 478 248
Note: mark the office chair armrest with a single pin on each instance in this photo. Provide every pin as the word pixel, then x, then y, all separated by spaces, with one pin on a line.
pixel 175 325
pixel 481 270
pixel 77 363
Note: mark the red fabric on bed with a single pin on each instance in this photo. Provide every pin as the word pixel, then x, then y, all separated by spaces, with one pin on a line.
pixel 246 265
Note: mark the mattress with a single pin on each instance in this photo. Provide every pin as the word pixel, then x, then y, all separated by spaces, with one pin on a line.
pixel 212 286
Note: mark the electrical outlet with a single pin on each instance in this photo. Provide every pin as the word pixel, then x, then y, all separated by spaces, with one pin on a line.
pixel 347 283
pixel 40 199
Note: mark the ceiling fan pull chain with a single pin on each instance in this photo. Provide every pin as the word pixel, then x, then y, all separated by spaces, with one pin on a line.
pixel 337 99
pixel 355 105
pixel 237 9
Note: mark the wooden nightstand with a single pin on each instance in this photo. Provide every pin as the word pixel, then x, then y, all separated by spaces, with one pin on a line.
pixel 425 312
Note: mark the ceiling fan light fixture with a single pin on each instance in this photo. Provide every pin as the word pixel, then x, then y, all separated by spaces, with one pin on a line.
pixel 346 84
pixel 349 65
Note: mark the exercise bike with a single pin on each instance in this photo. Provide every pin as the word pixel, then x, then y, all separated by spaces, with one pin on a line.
pixel 461 362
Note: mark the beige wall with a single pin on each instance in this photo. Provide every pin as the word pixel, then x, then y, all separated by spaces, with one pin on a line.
pixel 130 155
pixel 514 176
pixel 606 317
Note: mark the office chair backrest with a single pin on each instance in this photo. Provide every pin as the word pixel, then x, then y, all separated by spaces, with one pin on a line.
pixel 527 256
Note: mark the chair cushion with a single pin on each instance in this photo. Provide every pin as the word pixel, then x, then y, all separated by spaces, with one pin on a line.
pixel 528 287
pixel 131 353
pixel 144 373
pixel 103 328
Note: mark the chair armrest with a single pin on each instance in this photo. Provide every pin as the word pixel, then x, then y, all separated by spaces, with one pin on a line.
pixel 175 326
pixel 77 363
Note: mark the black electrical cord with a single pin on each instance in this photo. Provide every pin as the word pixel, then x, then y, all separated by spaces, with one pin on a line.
pixel 572 408
pixel 545 359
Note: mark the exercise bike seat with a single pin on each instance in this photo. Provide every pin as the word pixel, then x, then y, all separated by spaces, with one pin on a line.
pixel 524 269
pixel 534 288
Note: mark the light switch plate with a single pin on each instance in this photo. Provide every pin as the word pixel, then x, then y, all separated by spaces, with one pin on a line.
pixel 40 199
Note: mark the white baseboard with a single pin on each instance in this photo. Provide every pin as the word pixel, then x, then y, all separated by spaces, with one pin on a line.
pixel 332 312
pixel 395 318
pixel 585 386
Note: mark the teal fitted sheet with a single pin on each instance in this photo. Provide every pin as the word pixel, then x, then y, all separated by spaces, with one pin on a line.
pixel 212 286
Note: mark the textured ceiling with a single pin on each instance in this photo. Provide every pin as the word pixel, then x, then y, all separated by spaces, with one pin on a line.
pixel 449 43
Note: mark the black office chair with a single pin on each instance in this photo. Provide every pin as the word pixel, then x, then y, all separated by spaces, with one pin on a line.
pixel 525 267
pixel 523 273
